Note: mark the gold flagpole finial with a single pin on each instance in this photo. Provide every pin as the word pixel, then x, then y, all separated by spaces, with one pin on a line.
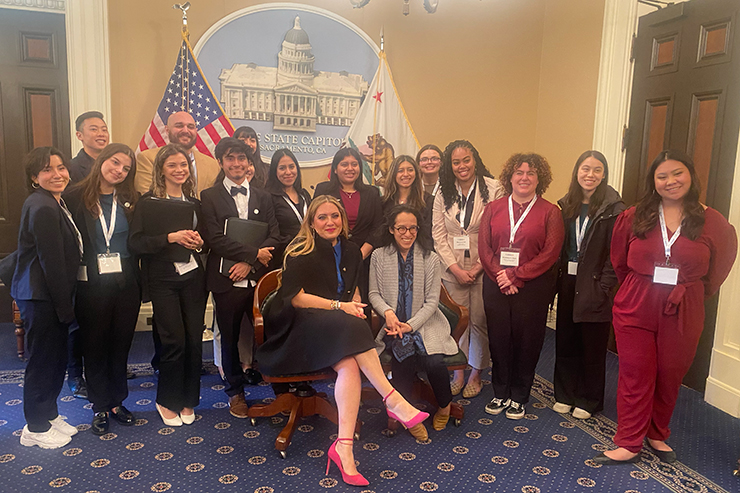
pixel 184 8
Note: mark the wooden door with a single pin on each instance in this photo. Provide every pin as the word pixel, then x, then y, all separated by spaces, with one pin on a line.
pixel 34 105
pixel 686 95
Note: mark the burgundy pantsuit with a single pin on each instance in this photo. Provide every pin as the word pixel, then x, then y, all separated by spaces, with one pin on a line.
pixel 657 326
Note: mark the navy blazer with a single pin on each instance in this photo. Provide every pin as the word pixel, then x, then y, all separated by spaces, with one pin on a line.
pixel 218 206
pixel 48 255
pixel 369 215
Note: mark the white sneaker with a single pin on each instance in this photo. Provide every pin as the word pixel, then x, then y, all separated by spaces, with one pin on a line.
pixel 63 426
pixel 52 438
pixel 579 413
pixel 561 408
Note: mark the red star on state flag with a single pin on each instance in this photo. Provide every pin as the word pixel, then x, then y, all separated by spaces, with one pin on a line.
pixel 377 97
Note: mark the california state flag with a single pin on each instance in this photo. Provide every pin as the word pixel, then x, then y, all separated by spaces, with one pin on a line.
pixel 381 130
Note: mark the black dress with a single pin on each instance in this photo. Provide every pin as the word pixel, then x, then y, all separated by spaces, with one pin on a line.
pixel 301 340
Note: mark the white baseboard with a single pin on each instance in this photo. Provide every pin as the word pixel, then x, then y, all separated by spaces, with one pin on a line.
pixel 723 396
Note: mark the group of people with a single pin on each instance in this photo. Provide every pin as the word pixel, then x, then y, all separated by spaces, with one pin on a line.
pixel 500 249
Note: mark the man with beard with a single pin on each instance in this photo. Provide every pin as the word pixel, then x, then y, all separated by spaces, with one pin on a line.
pixel 181 130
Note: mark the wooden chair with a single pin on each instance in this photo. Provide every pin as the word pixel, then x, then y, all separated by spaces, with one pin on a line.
pixel 457 316
pixel 20 333
pixel 303 401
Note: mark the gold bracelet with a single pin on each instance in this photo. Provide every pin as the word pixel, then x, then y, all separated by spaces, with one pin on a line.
pixel 336 305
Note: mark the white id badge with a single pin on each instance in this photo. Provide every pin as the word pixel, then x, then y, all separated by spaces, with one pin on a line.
pixel 183 268
pixel 509 257
pixel 461 242
pixel 665 274
pixel 82 273
pixel 109 263
pixel 572 268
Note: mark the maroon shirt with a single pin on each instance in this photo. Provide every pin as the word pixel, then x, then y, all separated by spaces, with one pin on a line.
pixel 351 205
pixel 704 263
pixel 539 239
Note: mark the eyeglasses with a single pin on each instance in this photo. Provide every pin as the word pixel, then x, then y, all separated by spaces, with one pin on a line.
pixel 434 160
pixel 411 229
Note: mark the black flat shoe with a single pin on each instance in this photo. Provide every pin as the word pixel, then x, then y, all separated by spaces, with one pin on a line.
pixel 252 377
pixel 608 461
pixel 667 456
pixel 100 424
pixel 78 388
pixel 122 415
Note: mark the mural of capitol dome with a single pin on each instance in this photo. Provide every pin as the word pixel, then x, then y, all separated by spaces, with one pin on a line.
pixel 292 95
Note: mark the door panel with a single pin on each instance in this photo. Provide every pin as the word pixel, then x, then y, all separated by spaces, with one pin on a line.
pixel 688 51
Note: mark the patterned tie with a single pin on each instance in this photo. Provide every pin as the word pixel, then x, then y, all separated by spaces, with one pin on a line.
pixel 237 190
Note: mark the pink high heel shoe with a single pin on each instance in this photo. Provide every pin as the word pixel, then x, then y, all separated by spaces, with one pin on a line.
pixel 417 419
pixel 352 480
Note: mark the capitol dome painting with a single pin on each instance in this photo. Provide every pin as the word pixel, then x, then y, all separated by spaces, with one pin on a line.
pixel 292 95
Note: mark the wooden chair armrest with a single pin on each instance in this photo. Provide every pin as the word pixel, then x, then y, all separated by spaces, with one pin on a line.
pixel 463 316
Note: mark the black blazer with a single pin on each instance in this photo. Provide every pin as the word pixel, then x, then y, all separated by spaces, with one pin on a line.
pixel 218 206
pixel 288 222
pixel 48 255
pixel 150 249
pixel 369 215
pixel 87 224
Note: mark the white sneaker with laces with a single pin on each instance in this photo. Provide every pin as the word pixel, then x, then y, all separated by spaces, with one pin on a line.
pixel 52 438
pixel 63 426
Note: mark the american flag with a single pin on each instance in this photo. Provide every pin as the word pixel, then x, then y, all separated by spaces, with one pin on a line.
pixel 188 90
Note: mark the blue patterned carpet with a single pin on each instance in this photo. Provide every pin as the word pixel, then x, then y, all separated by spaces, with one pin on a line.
pixel 545 452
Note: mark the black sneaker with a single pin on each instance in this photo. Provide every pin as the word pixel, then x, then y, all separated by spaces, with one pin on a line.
pixel 496 406
pixel 515 410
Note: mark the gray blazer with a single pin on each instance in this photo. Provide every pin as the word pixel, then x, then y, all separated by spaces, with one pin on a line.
pixel 427 318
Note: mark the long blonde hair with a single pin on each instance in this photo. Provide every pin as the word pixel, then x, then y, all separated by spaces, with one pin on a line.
pixel 158 187
pixel 304 242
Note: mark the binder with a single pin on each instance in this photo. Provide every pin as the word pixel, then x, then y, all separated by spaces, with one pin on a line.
pixel 245 231
pixel 164 216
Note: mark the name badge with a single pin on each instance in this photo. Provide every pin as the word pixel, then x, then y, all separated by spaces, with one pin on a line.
pixel 509 257
pixel 461 242
pixel 82 273
pixel 183 268
pixel 109 263
pixel 572 268
pixel 665 274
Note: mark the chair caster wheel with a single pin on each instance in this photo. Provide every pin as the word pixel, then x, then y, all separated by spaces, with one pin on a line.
pixel 253 421
pixel 357 437
pixel 391 433
pixel 456 422
pixel 283 454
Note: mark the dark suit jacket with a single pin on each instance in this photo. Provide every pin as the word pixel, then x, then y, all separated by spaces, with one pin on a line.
pixel 369 215
pixel 80 166
pixel 288 222
pixel 48 255
pixel 218 206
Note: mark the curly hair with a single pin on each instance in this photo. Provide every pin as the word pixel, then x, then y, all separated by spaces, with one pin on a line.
pixel 536 162
pixel 385 237
pixel 447 179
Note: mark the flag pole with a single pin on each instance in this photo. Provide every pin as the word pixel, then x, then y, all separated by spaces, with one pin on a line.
pixel 185 36
pixel 374 139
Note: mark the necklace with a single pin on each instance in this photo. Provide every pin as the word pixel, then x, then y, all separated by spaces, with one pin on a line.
pixel 349 194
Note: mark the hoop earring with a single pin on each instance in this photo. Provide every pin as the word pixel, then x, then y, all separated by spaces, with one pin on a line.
pixel 35 185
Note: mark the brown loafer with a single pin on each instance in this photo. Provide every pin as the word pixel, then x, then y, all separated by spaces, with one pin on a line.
pixel 238 406
pixel 439 422
pixel 419 432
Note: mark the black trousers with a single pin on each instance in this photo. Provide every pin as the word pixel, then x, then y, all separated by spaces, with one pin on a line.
pixel 75 351
pixel 516 331
pixel 107 312
pixel 231 306
pixel 439 379
pixel 46 340
pixel 580 355
pixel 179 306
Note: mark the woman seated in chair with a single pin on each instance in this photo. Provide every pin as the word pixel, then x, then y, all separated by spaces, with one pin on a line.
pixel 316 321
pixel 416 331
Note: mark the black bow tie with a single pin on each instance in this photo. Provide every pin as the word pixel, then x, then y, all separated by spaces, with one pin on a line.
pixel 237 190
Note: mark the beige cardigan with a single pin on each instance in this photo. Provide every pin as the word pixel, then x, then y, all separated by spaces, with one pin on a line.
pixel 427 319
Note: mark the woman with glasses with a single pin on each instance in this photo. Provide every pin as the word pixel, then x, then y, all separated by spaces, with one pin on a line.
pixel 415 330
pixel 429 158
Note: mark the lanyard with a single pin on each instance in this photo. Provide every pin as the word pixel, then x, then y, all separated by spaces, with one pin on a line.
pixel 513 228
pixel 436 189
pixel 667 244
pixel 72 221
pixel 292 206
pixel 464 202
pixel 580 232
pixel 108 231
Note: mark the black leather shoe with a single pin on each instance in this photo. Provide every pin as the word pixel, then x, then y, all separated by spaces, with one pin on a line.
pixel 122 415
pixel 252 377
pixel 78 387
pixel 608 461
pixel 100 424
pixel 667 456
